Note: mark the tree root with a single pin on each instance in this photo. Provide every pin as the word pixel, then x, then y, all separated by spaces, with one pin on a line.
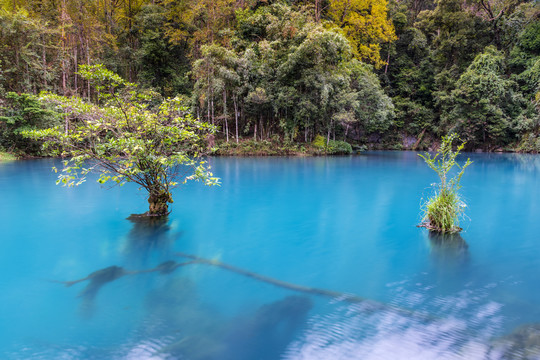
pixel 427 225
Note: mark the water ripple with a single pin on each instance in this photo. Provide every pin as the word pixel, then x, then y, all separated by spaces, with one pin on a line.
pixel 350 332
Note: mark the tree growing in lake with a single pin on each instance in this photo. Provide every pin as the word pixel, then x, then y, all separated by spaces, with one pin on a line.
pixel 126 137
pixel 443 210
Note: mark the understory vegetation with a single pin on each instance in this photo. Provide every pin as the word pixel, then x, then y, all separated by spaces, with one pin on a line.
pixel 276 77
pixel 7 156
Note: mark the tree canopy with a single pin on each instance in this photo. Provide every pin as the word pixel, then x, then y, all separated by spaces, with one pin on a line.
pixel 127 137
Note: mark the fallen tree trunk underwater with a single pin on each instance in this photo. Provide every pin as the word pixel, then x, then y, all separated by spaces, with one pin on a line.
pixel 103 276
pixel 505 344
pixel 336 295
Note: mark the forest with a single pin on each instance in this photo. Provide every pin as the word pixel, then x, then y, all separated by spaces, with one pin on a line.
pixel 303 74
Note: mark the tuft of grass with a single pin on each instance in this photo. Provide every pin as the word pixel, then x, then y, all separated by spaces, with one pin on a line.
pixel 4 156
pixel 443 210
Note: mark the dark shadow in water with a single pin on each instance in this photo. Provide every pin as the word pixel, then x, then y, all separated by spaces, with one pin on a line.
pixel 204 334
pixel 522 344
pixel 150 233
pixel 96 281
pixel 266 334
pixel 100 278
pixel 448 248
pixel 103 276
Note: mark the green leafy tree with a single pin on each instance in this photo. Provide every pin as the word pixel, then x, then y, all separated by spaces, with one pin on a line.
pixel 484 108
pixel 19 113
pixel 455 34
pixel 409 75
pixel 161 64
pixel 126 140
pixel 26 52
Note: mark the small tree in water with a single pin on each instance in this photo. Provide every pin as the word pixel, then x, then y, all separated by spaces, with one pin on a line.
pixel 443 210
pixel 126 139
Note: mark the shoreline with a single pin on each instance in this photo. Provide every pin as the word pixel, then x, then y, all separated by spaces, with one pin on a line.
pixel 309 151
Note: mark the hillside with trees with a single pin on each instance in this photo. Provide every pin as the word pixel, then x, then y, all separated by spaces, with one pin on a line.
pixel 392 75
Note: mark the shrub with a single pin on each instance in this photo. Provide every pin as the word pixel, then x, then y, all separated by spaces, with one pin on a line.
pixel 339 148
pixel 319 142
pixel 442 211
pixel 333 147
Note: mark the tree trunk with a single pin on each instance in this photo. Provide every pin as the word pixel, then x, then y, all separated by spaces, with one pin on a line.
pixel 213 112
pixel 88 63
pixel 158 203
pixel 328 135
pixel 76 59
pixel 236 116
pixel 261 126
pixel 225 114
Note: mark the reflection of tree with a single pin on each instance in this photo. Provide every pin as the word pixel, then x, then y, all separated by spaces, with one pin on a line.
pixel 149 232
pixel 448 246
pixel 527 162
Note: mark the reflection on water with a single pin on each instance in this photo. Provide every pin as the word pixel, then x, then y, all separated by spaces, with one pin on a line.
pixel 449 248
pixel 527 162
pixel 150 233
pixel 351 333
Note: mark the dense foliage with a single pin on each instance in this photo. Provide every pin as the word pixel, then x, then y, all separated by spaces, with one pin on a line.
pixel 23 112
pixel 393 74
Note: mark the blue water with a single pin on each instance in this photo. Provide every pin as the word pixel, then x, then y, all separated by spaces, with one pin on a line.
pixel 345 224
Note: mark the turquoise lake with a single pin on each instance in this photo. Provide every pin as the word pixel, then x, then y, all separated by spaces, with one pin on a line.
pixel 344 224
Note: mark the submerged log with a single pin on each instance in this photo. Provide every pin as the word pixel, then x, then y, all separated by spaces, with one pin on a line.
pixel 109 274
pixel 336 295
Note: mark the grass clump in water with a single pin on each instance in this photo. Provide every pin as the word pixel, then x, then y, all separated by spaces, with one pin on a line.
pixel 443 210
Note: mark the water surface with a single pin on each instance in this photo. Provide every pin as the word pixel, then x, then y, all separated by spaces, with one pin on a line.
pixel 345 224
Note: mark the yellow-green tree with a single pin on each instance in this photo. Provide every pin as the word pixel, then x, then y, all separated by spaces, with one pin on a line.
pixel 366 25
pixel 200 22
